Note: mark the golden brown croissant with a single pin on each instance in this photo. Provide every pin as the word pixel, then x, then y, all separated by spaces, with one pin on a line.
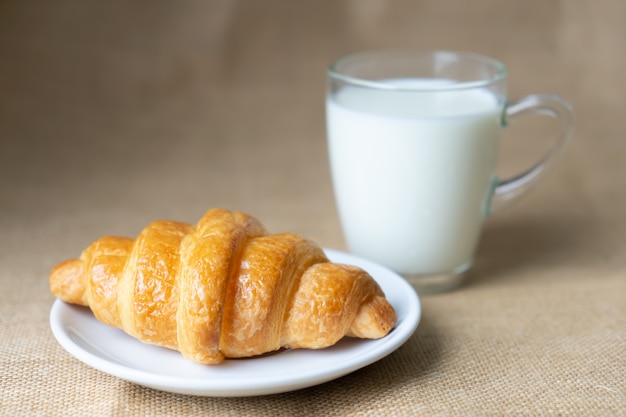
pixel 224 288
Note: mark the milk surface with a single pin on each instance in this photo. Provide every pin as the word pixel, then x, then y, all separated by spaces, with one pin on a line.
pixel 412 173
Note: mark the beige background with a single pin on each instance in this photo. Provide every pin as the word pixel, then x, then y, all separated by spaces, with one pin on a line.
pixel 113 114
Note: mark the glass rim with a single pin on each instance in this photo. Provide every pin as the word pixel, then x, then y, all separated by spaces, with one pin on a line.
pixel 500 73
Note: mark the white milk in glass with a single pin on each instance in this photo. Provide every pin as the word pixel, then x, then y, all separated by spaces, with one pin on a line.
pixel 413 173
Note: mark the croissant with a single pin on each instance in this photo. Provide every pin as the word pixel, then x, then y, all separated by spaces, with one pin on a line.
pixel 223 288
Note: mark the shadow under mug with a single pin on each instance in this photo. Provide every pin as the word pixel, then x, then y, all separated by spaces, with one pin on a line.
pixel 413 141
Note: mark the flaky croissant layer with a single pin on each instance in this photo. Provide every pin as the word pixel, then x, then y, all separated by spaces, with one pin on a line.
pixel 223 288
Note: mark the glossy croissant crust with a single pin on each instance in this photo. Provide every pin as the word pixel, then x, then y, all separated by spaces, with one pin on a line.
pixel 223 288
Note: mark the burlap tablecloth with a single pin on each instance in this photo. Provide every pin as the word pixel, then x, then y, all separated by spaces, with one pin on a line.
pixel 113 115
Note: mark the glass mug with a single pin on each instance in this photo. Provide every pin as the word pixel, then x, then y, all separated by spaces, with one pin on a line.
pixel 413 143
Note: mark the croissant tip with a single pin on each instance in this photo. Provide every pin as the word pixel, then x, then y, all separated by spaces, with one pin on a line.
pixel 67 283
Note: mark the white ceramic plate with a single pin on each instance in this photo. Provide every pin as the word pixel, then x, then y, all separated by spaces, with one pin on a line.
pixel 113 352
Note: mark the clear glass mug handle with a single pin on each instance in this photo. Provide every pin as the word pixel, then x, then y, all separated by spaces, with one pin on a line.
pixel 553 106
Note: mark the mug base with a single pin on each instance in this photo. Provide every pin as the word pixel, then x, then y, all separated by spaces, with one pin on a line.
pixel 436 283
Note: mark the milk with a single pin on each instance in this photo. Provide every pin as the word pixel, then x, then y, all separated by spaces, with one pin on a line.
pixel 413 173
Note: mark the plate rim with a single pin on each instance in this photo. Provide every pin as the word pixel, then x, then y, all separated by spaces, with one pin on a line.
pixel 260 386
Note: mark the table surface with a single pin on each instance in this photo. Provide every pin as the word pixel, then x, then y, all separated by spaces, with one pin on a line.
pixel 114 114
